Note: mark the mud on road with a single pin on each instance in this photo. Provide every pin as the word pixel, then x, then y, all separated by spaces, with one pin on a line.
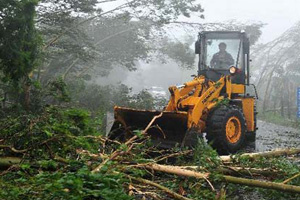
pixel 271 136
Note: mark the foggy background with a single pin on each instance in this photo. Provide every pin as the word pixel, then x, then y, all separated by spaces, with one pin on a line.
pixel 276 14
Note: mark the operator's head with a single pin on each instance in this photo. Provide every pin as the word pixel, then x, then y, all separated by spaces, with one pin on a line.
pixel 222 46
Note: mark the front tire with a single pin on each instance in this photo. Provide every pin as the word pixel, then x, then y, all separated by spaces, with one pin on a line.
pixel 226 127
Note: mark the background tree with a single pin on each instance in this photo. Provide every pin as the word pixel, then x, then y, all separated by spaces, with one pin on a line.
pixel 277 72
pixel 19 43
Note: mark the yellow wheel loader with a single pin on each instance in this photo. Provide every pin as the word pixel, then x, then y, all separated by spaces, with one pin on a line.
pixel 215 102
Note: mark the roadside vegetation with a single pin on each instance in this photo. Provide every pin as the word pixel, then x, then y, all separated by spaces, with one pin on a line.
pixel 276 118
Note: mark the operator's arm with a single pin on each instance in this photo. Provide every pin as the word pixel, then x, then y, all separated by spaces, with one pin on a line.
pixel 213 60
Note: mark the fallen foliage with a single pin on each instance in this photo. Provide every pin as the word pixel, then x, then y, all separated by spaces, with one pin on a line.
pixel 59 154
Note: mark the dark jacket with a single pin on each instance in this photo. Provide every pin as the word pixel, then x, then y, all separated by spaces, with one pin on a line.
pixel 221 60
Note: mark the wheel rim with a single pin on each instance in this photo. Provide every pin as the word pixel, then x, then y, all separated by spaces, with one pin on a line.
pixel 233 129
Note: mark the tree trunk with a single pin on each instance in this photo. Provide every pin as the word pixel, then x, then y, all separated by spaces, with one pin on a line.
pixel 267 92
pixel 27 96
pixel 288 100
pixel 282 104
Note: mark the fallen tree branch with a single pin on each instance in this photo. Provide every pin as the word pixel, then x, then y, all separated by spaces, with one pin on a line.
pixel 9 161
pixel 165 189
pixel 263 184
pixel 145 130
pixel 283 152
pixel 229 179
pixel 180 172
pixel 176 170
pixel 248 171
pixel 289 179
pixel 13 149
pixel 112 156
pixel 236 170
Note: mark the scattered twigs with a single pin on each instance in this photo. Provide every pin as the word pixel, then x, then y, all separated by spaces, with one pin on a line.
pixel 167 190
pixel 93 156
pixel 13 149
pixel 283 152
pixel 289 179
pixel 173 155
pixel 111 157
pixel 135 190
pixel 128 143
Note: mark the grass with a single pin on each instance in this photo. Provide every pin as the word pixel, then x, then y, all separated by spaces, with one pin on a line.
pixel 276 118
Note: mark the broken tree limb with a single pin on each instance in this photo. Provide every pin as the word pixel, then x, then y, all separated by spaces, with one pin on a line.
pixel 165 189
pixel 248 171
pixel 180 172
pixel 289 179
pixel 9 161
pixel 230 179
pixel 263 184
pixel 283 152
pixel 145 130
pixel 13 149
pixel 176 170
pixel 236 170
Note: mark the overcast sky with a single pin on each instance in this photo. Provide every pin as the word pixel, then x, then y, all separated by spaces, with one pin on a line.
pixel 278 14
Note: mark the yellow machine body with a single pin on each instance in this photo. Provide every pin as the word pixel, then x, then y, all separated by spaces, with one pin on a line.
pixel 187 109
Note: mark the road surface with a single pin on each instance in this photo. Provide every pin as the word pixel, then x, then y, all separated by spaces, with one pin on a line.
pixel 271 136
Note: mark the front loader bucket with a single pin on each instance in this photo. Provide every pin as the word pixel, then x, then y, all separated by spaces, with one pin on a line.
pixel 165 131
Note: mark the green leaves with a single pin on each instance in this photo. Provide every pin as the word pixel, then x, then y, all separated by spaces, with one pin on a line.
pixel 60 185
pixel 205 155
pixel 19 40
pixel 52 132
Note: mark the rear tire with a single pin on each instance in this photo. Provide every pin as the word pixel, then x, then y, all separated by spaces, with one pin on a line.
pixel 226 128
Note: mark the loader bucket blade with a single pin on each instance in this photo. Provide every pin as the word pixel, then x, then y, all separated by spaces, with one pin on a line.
pixel 166 131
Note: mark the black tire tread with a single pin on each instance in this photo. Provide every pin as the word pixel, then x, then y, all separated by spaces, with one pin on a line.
pixel 215 128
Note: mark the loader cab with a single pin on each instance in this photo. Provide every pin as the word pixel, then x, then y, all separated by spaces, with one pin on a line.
pixel 219 50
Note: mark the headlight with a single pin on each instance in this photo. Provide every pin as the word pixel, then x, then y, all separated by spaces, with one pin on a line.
pixel 232 70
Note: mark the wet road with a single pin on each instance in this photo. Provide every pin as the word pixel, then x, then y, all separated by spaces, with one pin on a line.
pixel 271 136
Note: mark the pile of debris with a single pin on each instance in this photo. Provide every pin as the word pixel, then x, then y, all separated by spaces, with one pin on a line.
pixel 54 156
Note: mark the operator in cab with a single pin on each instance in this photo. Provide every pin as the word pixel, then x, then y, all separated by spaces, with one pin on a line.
pixel 221 59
